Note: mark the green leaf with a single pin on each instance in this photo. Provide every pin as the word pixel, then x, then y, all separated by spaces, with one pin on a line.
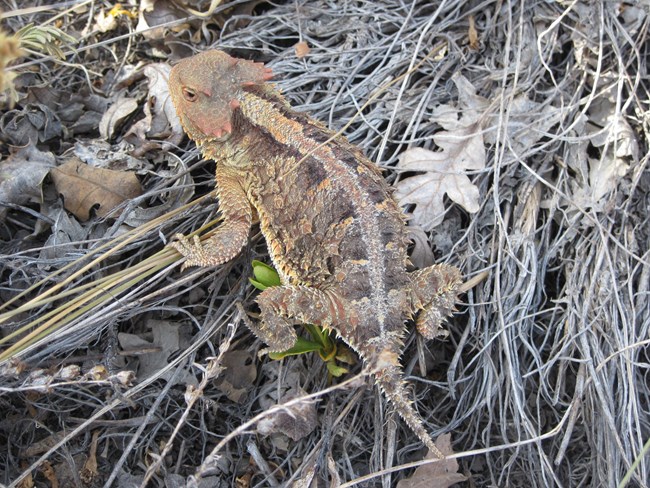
pixel 265 275
pixel 335 370
pixel 257 284
pixel 301 346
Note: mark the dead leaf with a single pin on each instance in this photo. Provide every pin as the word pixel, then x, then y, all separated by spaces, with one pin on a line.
pixel 40 446
pixel 49 473
pixel 100 154
pixel 239 374
pixel 33 123
pixel 65 229
pixel 167 339
pixel 115 114
pixel 21 176
pixel 462 148
pixel 422 255
pixel 295 422
pixel 9 52
pixel 472 34
pixel 160 121
pixel 604 148
pixel 527 122
pixel 156 12
pixel 604 174
pixel 443 175
pixel 84 187
pixel 302 49
pixel 441 474
pixel 467 128
pixel 611 133
pixel 105 22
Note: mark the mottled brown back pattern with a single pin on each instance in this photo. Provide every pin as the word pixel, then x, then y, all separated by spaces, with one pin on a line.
pixel 334 232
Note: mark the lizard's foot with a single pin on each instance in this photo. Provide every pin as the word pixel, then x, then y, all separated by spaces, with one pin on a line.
pixel 284 306
pixel 222 246
pixel 194 252
pixel 434 290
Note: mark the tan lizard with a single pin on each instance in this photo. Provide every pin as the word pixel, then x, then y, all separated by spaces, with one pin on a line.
pixel 335 234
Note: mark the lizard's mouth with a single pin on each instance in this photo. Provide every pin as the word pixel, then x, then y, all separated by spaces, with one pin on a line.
pixel 201 132
pixel 207 140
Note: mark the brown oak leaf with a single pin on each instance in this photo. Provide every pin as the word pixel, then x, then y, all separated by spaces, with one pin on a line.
pixel 84 188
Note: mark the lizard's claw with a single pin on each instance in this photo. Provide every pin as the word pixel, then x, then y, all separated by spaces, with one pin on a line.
pixel 192 249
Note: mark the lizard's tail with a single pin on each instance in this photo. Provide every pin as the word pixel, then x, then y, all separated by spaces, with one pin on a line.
pixel 390 380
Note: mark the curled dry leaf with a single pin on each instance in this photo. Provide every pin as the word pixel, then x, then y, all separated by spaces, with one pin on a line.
pixel 107 21
pixel 612 135
pixel 100 154
pixel 441 474
pixel 84 187
pixel 422 255
pixel 156 12
pixel 160 121
pixel 65 229
pixel 472 34
pixel 21 176
pixel 9 52
pixel 115 114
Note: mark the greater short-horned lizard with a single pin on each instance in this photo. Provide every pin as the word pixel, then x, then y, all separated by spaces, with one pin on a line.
pixel 335 234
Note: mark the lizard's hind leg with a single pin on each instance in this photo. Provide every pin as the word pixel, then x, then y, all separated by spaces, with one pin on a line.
pixel 284 306
pixel 434 290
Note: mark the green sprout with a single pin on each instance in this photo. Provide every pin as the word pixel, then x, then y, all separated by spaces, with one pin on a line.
pixel 265 276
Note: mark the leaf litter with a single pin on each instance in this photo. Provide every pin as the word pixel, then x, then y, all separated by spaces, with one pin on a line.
pixel 534 124
pixel 468 128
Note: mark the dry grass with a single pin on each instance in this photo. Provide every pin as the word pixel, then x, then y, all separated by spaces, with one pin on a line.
pixel 544 380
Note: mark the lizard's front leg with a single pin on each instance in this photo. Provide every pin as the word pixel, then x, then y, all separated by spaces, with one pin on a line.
pixel 433 291
pixel 284 306
pixel 233 233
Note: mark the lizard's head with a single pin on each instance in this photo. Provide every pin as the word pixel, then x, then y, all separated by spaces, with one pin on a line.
pixel 206 89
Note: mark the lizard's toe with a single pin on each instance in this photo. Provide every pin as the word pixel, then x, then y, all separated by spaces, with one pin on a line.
pixel 192 250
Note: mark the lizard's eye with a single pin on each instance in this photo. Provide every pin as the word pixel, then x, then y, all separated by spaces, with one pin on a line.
pixel 189 95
